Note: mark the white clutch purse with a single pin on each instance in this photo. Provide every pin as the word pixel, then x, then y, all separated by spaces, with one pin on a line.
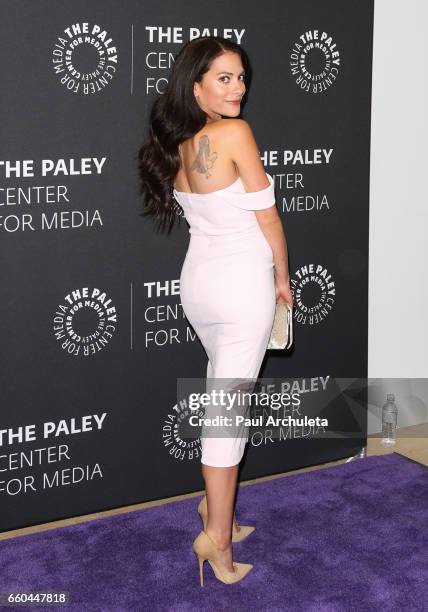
pixel 281 336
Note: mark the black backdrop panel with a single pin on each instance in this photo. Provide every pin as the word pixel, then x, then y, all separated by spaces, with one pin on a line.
pixel 93 334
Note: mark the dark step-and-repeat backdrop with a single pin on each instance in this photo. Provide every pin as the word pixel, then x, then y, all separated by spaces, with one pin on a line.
pixel 93 336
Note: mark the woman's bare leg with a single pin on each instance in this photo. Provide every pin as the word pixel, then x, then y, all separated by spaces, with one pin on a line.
pixel 220 486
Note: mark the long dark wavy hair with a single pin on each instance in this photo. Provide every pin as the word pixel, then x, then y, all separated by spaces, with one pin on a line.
pixel 175 116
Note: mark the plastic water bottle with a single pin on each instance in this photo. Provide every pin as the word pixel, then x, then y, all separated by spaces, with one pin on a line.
pixel 389 420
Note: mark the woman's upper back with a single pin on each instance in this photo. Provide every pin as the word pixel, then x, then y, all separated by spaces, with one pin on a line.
pixel 222 182
pixel 209 186
pixel 206 161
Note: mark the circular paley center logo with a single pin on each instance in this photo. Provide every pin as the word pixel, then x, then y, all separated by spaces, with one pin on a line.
pixel 85 321
pixel 85 58
pixel 315 61
pixel 314 294
pixel 179 437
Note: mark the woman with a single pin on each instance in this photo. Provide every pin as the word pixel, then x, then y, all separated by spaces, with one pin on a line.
pixel 201 155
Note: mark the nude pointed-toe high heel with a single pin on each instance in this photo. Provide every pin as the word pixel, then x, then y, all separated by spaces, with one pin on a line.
pixel 239 532
pixel 205 549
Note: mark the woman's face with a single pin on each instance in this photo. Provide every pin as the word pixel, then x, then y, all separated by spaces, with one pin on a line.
pixel 222 87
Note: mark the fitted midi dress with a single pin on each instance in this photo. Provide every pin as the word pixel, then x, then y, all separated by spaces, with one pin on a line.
pixel 227 293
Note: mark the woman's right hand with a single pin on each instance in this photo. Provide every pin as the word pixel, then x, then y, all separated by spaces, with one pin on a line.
pixel 283 293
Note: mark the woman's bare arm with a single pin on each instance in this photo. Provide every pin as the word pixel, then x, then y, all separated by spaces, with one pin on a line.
pixel 245 153
pixel 274 234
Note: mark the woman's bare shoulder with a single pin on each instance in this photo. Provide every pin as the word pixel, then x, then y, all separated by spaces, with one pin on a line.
pixel 233 131
pixel 226 135
pixel 233 126
pixel 223 133
pixel 226 126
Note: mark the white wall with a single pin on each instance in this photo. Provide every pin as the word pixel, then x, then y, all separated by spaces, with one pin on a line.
pixel 398 232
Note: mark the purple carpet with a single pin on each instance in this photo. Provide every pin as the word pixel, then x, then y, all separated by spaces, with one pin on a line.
pixel 347 537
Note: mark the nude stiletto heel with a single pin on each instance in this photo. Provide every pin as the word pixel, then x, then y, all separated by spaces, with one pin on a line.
pixel 205 549
pixel 201 568
pixel 239 532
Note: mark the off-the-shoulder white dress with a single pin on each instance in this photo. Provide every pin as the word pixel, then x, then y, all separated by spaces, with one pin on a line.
pixel 227 293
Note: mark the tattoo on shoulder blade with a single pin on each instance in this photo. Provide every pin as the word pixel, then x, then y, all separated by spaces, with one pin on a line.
pixel 204 160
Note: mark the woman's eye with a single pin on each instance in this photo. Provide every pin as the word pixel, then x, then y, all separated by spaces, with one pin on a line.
pixel 242 76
